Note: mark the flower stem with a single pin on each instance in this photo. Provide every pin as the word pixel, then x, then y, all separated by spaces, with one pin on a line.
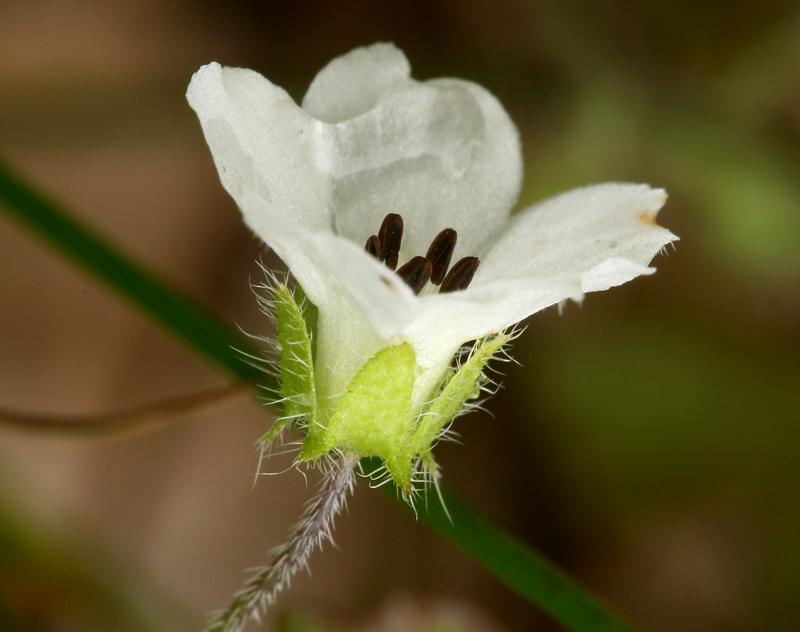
pixel 263 588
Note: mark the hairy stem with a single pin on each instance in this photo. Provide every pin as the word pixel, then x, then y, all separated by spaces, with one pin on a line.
pixel 316 525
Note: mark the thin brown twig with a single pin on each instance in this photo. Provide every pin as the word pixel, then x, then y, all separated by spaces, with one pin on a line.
pixel 127 423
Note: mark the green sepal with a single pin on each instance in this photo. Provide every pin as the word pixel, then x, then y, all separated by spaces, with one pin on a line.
pixel 296 365
pixel 374 415
pixel 310 315
pixel 462 386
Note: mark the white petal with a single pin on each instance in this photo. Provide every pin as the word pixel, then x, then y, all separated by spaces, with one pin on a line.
pixel 261 140
pixel 582 241
pixel 363 306
pixel 450 320
pixel 577 231
pixel 353 83
pixel 328 266
pixel 442 153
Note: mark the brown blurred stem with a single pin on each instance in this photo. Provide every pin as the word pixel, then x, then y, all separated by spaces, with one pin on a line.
pixel 126 423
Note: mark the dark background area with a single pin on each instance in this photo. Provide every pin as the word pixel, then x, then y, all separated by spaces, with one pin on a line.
pixel 648 442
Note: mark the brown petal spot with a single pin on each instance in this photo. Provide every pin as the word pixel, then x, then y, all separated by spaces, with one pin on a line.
pixel 648 217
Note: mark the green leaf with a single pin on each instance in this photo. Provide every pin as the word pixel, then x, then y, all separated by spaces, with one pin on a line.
pixel 522 569
pixel 526 572
pixel 170 307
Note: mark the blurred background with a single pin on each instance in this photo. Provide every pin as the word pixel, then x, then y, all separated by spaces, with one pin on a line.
pixel 649 441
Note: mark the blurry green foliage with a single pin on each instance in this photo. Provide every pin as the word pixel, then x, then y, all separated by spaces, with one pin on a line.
pixel 48 582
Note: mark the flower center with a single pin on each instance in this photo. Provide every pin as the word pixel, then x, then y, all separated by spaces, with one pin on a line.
pixel 417 271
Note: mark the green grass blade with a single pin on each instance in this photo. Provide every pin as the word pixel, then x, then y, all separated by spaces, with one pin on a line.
pixel 175 310
pixel 525 571
pixel 522 569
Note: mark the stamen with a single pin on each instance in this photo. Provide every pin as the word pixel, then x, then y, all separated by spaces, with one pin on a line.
pixel 416 273
pixel 460 275
pixel 440 252
pixel 373 247
pixel 385 246
pixel 391 235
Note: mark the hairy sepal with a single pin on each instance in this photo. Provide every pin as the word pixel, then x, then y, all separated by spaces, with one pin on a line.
pixel 463 386
pixel 374 415
pixel 296 365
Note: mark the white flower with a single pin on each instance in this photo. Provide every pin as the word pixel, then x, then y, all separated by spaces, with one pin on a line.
pixel 316 181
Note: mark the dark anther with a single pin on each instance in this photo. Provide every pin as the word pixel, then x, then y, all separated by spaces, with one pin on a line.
pixel 440 252
pixel 373 247
pixel 460 275
pixel 390 235
pixel 416 273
